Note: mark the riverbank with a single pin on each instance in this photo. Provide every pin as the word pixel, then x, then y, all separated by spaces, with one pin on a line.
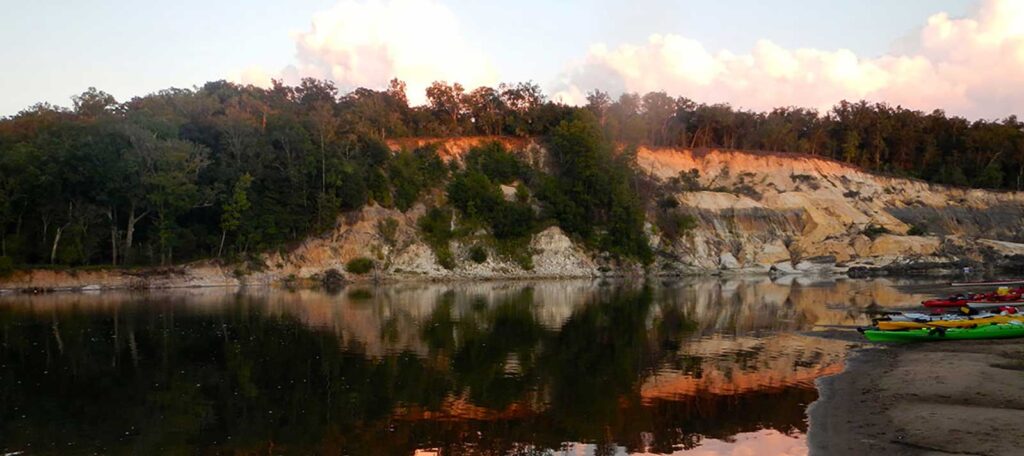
pixel 964 397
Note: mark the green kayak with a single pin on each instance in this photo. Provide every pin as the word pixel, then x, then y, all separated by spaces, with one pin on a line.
pixel 999 331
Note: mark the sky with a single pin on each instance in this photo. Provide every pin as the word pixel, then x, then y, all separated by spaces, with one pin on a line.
pixel 963 56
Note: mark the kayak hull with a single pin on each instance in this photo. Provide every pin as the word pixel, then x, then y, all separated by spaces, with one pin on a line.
pixel 945 303
pixel 997 331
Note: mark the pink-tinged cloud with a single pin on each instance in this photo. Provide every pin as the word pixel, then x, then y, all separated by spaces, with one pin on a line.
pixel 366 43
pixel 972 66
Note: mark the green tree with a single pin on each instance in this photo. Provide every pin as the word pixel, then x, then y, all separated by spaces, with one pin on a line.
pixel 590 194
pixel 234 209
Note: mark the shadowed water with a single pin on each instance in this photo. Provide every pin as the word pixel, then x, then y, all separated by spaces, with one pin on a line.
pixel 557 367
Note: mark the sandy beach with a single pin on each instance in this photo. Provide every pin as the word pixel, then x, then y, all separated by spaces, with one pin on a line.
pixel 958 397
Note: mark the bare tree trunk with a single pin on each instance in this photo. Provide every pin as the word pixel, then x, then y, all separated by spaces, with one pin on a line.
pixel 323 181
pixel 130 232
pixel 323 166
pixel 56 242
pixel 60 230
pixel 112 216
pixel 46 229
pixel 223 234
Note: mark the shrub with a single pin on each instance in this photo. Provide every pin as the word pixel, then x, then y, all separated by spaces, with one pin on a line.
pixel 516 249
pixel 917 230
pixel 445 257
pixel 494 161
pixel 805 179
pixel 475 195
pixel 436 228
pixel 6 266
pixel 333 280
pixel 673 224
pixel 667 203
pixel 873 231
pixel 413 172
pixel 478 254
pixel 522 193
pixel 687 181
pixel 512 220
pixel 747 190
pixel 359 265
pixel 388 230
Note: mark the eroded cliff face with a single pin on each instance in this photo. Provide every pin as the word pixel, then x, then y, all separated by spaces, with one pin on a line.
pixel 404 255
pixel 784 212
pixel 754 212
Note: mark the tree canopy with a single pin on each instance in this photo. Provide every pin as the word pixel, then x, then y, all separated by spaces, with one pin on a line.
pixel 226 170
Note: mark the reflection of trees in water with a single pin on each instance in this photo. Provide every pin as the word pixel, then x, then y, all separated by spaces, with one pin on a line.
pixel 158 378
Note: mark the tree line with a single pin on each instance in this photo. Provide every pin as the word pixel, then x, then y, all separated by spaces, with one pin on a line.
pixel 229 170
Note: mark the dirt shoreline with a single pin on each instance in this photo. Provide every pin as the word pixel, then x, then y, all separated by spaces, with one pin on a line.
pixel 963 397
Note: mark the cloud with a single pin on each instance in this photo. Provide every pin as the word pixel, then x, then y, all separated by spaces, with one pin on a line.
pixel 366 43
pixel 254 75
pixel 970 66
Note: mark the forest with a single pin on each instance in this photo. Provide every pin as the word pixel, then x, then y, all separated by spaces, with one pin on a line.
pixel 228 171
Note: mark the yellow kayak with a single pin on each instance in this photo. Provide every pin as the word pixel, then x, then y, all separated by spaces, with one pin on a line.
pixel 962 323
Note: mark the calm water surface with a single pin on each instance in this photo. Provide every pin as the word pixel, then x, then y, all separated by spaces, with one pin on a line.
pixel 558 367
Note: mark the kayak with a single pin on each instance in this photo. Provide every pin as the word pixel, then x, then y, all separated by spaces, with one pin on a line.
pixel 949 302
pixel 987 284
pixel 948 323
pixel 980 305
pixel 963 300
pixel 999 331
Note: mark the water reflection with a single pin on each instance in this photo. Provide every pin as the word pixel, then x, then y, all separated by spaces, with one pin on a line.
pixel 488 368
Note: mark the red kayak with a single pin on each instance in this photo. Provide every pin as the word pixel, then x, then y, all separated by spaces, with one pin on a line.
pixel 960 300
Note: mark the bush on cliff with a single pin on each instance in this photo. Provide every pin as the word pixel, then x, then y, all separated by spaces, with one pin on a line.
pixel 478 254
pixel 435 226
pixel 359 265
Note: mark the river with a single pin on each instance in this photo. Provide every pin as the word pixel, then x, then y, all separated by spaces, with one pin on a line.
pixel 701 367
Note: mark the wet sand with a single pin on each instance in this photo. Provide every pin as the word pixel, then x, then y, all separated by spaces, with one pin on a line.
pixel 938 398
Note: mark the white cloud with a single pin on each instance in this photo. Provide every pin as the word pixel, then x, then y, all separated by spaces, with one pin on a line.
pixel 254 75
pixel 366 43
pixel 971 66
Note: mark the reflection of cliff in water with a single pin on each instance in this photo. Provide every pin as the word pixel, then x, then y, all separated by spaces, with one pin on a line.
pixel 386 370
